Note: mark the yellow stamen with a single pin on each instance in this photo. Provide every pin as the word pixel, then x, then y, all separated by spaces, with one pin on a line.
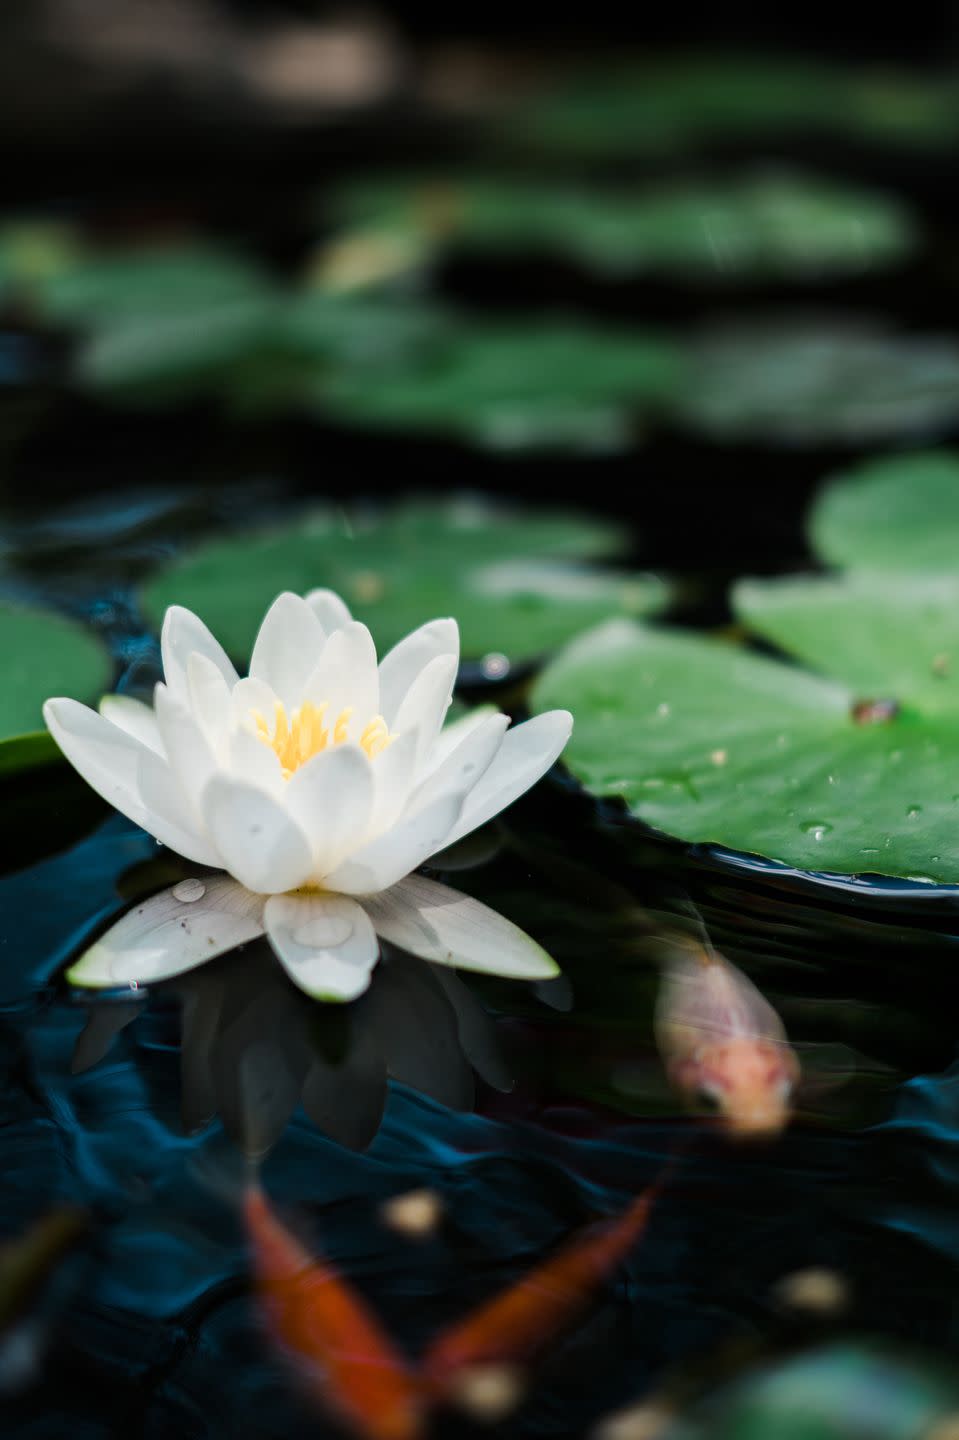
pixel 303 735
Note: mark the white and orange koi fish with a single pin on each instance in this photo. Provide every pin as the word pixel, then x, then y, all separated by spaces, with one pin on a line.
pixel 722 1042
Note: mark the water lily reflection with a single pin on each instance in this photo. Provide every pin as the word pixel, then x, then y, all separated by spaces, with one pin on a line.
pixel 319 783
pixel 253 1047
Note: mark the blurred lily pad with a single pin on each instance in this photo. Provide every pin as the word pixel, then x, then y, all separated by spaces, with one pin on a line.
pixel 255 352
pixel 844 766
pixel 519 582
pixel 842 1391
pixel 900 512
pixel 752 227
pixel 43 655
pixel 32 253
pixel 672 104
pixel 148 282
pixel 539 384
pixel 810 382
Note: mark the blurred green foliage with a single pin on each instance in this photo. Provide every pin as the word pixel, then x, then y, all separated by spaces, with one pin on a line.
pixel 751 227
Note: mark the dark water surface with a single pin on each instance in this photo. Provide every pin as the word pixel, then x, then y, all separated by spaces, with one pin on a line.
pixel 151 1328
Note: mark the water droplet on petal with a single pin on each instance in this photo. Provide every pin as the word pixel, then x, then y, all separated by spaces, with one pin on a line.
pixel 322 932
pixel 189 890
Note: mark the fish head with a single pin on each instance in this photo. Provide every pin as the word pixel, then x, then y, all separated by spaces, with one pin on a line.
pixel 750 1080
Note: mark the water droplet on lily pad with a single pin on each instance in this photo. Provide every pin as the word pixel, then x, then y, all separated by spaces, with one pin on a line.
pixel 913 811
pixel 818 829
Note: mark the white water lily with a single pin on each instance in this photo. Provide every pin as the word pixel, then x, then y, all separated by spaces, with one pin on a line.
pixel 319 783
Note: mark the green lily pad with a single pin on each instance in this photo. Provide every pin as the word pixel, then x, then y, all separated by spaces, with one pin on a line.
pixel 851 765
pixel 753 227
pixel 517 386
pixel 43 655
pixel 672 104
pixel 518 582
pixel 32 253
pixel 897 513
pixel 843 1391
pixel 148 283
pixel 806 382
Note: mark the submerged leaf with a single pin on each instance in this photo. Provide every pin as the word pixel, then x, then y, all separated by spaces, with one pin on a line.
pixel 837 1392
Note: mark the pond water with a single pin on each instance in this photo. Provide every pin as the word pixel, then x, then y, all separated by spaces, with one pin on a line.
pixel 516 1114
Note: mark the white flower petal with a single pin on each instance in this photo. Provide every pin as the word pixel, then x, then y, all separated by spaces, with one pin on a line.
pixel 288 646
pixel 465 766
pixel 329 609
pixel 133 716
pixel 456 732
pixel 209 698
pixel 526 753
pixel 325 943
pixel 394 854
pixel 252 760
pixel 257 841
pixel 254 697
pixel 164 936
pixel 404 662
pixel 426 702
pixel 394 772
pixel 187 749
pixel 331 798
pixel 441 925
pixel 184 634
pixel 174 818
pixel 115 764
pixel 345 677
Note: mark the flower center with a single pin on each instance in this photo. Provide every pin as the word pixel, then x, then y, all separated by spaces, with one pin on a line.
pixel 304 734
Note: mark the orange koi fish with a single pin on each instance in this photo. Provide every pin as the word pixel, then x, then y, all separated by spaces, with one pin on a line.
pixel 348 1359
pixel 722 1041
pixel 513 1327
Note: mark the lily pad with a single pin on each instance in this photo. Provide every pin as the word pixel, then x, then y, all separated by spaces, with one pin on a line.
pixel 842 1391
pixel 32 253
pixel 897 513
pixel 700 101
pixel 752 227
pixel 517 581
pixel 851 765
pixel 43 655
pixel 518 386
pixel 257 351
pixel 807 382
pixel 150 282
